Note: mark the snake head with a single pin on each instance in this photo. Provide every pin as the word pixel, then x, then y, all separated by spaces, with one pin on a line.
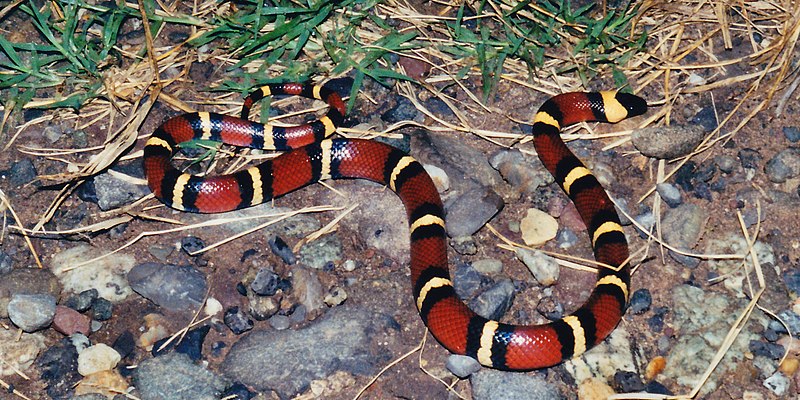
pixel 635 105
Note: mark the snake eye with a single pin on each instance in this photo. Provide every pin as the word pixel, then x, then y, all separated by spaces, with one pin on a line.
pixel 634 104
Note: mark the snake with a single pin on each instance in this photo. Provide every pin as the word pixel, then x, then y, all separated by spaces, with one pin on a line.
pixel 310 156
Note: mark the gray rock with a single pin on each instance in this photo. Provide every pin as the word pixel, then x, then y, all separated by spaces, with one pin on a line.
pixel 31 312
pixel 471 211
pixel 543 267
pixel 287 361
pixel 524 173
pixel 22 172
pixel 6 263
pixel 113 192
pixel 176 288
pixel 670 194
pixel 778 383
pixel 462 366
pixel 667 142
pixel 489 384
pixel 682 227
pixel 26 281
pixel 459 159
pixel 174 376
pixel 785 165
pixel 308 289
pixel 495 300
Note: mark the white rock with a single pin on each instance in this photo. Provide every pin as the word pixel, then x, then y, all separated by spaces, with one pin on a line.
pixel 19 351
pixel 213 306
pixel 538 227
pixel 99 357
pixel 107 275
pixel 439 177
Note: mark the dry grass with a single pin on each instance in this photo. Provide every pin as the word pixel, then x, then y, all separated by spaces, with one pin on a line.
pixel 692 51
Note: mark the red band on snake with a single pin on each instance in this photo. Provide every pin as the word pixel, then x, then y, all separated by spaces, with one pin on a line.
pixel 312 158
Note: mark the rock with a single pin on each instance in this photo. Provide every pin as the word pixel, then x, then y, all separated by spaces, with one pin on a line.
pixel 82 301
pixel 550 308
pixel 439 177
pixel 106 275
pixel 543 267
pixel 105 383
pixel 68 321
pixel 628 382
pixel 262 307
pixel 785 165
pixel 594 388
pixel 462 366
pixel 468 282
pixel 681 228
pixel 404 110
pixel 192 244
pixel 176 288
pixel 155 325
pixel 335 297
pixel 778 384
pixel 457 158
pixel 21 172
pixel 124 344
pixel 99 357
pixel 282 250
pixel 287 361
pixel 6 263
pixel 670 194
pixel 59 369
pixel 280 322
pixel 26 281
pixel 469 212
pixel 489 384
pixel 308 289
pixel 526 174
pixel 265 282
pixel 725 163
pixel 791 279
pixel 236 321
pixel 102 309
pixel 733 243
pixel 772 351
pixel 32 312
pixel 792 133
pixel 113 192
pixel 667 142
pixel 495 300
pixel 640 301
pixel 538 227
pixel 488 266
pixel 174 376
pixel 191 344
pixel 750 158
pixel 18 350
pixel 319 252
pixel 707 118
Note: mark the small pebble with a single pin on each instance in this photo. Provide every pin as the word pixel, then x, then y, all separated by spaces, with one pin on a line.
pixel 538 227
pixel 792 133
pixel 350 265
pixel 280 322
pixel 213 307
pixel 543 267
pixel 99 357
pixel 439 177
pixel 655 367
pixel 725 163
pixel 335 297
pixel 749 158
pixel 462 366
pixel 32 312
pixel 82 301
pixel 192 244
pixel 640 301
pixel 467 281
pixel 791 279
pixel 102 309
pixel 237 391
pixel 6 263
pixel 778 383
pixel 495 300
pixel 236 321
pixel 670 194
pixel 68 321
pixel 125 344
pixel 627 382
pixel 282 250
pixel 550 308
pixel 657 388
pixel 265 283
pixel 488 266
pixel 773 351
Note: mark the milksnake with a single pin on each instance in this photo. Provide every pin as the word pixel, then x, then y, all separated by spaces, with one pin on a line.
pixel 311 158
